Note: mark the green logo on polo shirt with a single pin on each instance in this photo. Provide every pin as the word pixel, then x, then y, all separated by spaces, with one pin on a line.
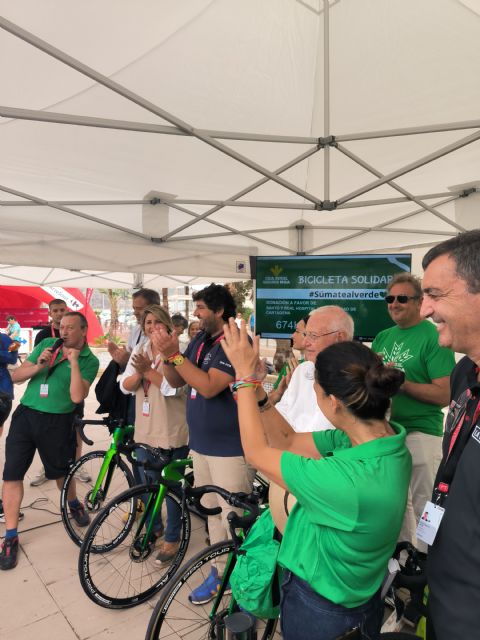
pixel 397 356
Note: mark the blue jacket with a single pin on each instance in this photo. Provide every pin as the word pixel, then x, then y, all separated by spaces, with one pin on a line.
pixel 6 358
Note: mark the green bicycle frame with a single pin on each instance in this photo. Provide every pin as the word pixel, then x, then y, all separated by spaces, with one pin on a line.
pixel 173 471
pixel 119 436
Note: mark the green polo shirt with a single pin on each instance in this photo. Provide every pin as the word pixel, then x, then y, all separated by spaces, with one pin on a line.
pixel 416 352
pixel 58 399
pixel 343 529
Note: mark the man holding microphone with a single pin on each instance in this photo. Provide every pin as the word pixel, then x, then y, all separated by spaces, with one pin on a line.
pixel 60 373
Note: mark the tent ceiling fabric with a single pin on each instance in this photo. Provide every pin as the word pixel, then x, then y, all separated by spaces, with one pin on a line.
pixel 175 139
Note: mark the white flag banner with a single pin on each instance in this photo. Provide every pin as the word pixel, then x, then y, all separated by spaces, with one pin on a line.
pixel 71 302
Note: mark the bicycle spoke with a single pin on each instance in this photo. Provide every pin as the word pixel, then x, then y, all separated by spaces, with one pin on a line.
pixel 117 562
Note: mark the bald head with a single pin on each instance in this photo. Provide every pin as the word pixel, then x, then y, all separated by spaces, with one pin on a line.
pixel 326 325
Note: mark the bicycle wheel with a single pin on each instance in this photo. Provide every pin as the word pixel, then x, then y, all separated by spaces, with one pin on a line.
pixel 117 479
pixel 117 558
pixel 175 618
pixel 397 635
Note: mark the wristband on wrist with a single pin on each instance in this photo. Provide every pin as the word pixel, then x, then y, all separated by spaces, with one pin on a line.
pixel 248 381
pixel 176 359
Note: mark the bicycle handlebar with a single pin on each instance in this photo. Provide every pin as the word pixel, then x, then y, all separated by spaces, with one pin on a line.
pixel 162 458
pixel 239 500
pixel 111 423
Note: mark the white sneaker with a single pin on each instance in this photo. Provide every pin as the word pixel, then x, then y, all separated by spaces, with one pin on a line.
pixel 39 478
pixel 82 475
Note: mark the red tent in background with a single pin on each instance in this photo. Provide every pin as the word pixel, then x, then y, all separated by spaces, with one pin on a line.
pixel 25 304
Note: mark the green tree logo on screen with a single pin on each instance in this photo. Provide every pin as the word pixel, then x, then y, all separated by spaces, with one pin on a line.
pixel 276 270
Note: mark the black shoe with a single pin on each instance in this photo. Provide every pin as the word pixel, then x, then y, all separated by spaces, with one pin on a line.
pixel 80 516
pixel 9 554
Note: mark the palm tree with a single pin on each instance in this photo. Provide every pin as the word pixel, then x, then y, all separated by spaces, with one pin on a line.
pixel 114 296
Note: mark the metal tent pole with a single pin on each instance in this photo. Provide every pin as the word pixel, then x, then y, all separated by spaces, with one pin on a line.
pixel 149 106
pixel 407 168
pixel 394 185
pixel 74 212
pixel 410 131
pixel 243 192
pixel 234 231
pixel 229 203
pixel 145 127
pixel 326 97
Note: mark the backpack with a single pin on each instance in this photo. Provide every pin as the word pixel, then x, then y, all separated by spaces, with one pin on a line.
pixel 256 577
pixel 109 394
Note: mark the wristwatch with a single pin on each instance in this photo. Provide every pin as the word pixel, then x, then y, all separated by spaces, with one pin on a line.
pixel 177 359
pixel 263 401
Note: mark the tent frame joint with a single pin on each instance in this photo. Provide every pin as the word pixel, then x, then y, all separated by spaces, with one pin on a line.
pixel 468 192
pixel 328 205
pixel 327 141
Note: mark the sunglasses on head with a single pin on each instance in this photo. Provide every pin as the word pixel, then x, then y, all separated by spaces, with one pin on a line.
pixel 401 299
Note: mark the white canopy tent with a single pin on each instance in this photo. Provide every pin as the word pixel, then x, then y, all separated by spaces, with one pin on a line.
pixel 165 142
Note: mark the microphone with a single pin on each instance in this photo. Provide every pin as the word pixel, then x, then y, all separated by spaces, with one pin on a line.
pixel 56 345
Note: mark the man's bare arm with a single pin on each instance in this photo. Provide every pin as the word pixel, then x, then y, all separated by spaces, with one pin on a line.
pixel 29 369
pixel 209 383
pixel 437 392
pixel 280 434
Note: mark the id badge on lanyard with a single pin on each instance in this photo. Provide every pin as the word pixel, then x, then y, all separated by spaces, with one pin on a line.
pixel 146 388
pixel 145 407
pixel 433 512
pixel 429 523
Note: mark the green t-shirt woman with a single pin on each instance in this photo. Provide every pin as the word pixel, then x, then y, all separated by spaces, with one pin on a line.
pixel 350 483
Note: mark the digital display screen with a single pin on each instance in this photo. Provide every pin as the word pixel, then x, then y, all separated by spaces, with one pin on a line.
pixel 288 288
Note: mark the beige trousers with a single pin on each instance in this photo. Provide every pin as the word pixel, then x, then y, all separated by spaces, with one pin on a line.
pixel 232 474
pixel 426 452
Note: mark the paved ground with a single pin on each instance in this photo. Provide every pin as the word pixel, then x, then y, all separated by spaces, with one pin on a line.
pixel 42 598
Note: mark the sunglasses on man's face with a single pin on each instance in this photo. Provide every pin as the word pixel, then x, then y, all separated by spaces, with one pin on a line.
pixel 401 299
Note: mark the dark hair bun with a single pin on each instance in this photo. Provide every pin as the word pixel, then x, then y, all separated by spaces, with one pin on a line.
pixel 356 375
pixel 383 381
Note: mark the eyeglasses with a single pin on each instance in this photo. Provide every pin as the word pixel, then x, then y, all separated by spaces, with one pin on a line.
pixel 401 299
pixel 317 336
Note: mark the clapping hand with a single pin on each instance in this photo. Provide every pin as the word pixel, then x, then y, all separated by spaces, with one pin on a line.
pixel 141 363
pixel 166 343
pixel 243 356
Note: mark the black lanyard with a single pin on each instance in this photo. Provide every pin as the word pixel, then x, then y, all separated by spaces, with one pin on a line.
pixel 461 431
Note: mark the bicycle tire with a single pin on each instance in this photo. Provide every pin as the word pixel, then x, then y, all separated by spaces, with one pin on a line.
pixel 397 635
pixel 174 613
pixel 115 570
pixel 122 479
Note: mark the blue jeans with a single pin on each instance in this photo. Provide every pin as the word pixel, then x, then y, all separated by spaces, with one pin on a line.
pixel 306 614
pixel 174 514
